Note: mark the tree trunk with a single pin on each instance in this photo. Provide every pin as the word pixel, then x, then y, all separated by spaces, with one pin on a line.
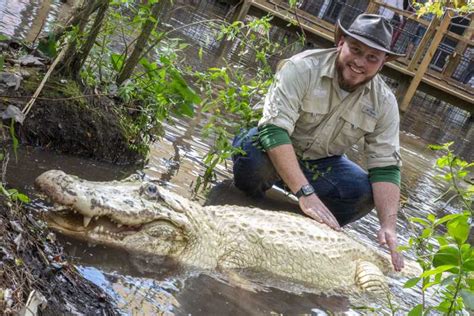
pixel 140 45
pixel 80 22
pixel 81 56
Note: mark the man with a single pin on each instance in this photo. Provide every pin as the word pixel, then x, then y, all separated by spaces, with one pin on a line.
pixel 321 103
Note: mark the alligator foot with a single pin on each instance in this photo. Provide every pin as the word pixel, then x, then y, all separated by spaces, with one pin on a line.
pixel 369 277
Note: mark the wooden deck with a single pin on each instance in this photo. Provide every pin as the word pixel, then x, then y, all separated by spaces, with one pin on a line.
pixel 409 73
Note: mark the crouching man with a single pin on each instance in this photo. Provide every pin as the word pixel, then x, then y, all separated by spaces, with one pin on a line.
pixel 321 103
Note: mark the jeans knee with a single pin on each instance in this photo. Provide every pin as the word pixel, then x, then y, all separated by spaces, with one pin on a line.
pixel 253 171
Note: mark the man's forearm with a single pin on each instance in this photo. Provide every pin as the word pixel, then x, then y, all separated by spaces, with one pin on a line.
pixel 386 200
pixel 284 160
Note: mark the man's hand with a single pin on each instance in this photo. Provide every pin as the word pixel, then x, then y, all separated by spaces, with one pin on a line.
pixel 312 206
pixel 389 237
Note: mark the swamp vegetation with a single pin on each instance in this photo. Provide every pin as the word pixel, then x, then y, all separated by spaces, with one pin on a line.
pixel 103 84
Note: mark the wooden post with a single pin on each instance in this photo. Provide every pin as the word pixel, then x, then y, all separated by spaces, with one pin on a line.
pixel 430 31
pixel 426 61
pixel 403 84
pixel 240 15
pixel 373 7
pixel 244 9
pixel 458 51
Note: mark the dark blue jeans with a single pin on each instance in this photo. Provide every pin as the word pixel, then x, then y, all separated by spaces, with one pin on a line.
pixel 341 184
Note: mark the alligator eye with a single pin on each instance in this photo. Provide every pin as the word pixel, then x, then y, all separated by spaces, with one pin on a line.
pixel 151 189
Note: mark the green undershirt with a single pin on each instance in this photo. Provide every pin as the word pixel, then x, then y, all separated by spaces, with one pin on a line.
pixel 271 136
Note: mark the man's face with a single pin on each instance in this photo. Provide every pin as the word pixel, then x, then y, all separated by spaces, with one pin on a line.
pixel 357 63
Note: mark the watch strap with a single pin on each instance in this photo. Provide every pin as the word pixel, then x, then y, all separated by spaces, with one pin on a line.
pixel 305 190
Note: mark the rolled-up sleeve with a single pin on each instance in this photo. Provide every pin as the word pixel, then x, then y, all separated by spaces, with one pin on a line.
pixel 383 144
pixel 284 98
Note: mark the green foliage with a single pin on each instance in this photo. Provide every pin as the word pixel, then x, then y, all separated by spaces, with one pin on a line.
pixel 439 7
pixel 442 248
pixel 230 92
pixel 14 195
pixel 2 62
pixel 49 46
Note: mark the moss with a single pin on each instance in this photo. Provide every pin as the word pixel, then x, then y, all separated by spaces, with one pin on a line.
pixel 56 88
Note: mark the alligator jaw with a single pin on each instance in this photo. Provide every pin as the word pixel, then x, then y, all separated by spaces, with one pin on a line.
pixel 73 222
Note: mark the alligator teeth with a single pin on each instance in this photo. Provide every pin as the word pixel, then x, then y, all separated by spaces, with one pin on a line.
pixel 58 207
pixel 119 225
pixel 87 220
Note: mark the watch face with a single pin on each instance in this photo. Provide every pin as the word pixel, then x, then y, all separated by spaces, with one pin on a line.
pixel 307 189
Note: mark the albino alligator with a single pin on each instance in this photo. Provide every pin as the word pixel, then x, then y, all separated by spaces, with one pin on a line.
pixel 141 216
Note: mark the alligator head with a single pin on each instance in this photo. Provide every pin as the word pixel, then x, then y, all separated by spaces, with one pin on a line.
pixel 136 215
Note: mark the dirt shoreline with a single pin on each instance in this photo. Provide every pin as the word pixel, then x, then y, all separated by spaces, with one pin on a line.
pixel 33 264
pixel 34 270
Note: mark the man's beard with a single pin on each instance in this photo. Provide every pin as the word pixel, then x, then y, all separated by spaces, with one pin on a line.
pixel 340 79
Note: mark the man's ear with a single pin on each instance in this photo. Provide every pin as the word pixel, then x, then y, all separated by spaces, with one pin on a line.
pixel 340 42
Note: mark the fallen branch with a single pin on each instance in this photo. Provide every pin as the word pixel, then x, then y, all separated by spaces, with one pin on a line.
pixel 30 103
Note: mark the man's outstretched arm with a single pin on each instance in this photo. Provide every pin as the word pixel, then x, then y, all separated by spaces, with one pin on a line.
pixel 386 199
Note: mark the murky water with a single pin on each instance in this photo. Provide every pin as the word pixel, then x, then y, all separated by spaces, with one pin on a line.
pixel 150 285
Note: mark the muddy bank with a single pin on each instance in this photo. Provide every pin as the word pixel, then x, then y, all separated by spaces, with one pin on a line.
pixel 34 269
pixel 65 117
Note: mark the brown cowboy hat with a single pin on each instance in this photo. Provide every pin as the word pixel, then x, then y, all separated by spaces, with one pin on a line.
pixel 372 30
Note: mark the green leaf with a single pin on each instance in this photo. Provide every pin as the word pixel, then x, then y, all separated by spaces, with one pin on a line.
pixel 411 282
pixel 458 228
pixel 426 232
pixel 437 270
pixel 442 241
pixel 435 147
pixel 446 255
pixel 416 311
pixel 2 62
pixel 468 298
pixel 431 217
pixel 470 282
pixel 22 198
pixel 468 265
pixel 49 46
pixel 200 53
pixel 117 61
pixel 442 162
pixel 419 220
pixel 4 37
pixel 447 218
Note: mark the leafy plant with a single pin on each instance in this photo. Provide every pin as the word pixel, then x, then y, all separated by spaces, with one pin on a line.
pixel 231 92
pixel 440 6
pixel 14 195
pixel 442 248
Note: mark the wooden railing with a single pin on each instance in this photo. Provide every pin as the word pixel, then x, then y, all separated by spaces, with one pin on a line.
pixel 439 74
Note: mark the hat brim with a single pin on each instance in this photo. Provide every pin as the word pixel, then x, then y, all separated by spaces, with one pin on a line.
pixel 340 31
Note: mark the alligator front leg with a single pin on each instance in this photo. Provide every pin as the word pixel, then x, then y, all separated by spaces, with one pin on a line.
pixel 369 277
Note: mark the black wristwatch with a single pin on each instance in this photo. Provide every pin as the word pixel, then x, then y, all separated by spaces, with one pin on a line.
pixel 305 190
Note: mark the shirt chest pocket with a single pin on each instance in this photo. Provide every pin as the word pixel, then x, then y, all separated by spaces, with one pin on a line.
pixel 311 114
pixel 353 128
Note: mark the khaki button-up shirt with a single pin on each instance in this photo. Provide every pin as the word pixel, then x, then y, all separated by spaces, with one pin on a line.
pixel 324 120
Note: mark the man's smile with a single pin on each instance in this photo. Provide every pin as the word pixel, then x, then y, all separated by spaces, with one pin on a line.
pixel 354 69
